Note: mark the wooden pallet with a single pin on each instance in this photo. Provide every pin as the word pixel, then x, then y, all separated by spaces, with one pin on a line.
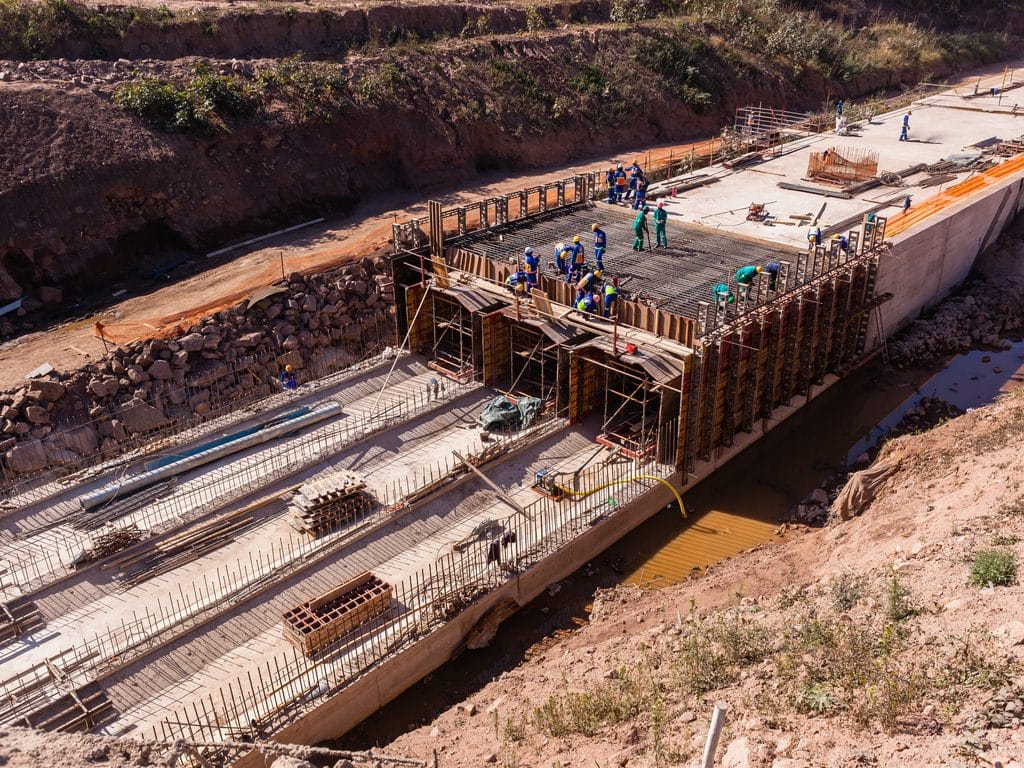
pixel 329 502
pixel 318 623
pixel 17 618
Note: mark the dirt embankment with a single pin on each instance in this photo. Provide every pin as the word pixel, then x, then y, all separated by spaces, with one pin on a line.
pixel 892 639
pixel 87 189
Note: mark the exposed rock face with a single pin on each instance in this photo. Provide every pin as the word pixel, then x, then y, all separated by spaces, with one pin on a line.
pixel 239 352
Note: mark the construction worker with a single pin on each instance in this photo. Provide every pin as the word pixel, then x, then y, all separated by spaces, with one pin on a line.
pixel 660 220
pixel 611 296
pixel 905 130
pixel 532 265
pixel 609 179
pixel 635 174
pixel 620 183
pixel 560 253
pixel 600 242
pixel 587 304
pixel 869 225
pixel 839 108
pixel 588 282
pixel 772 270
pixel 640 196
pixel 576 258
pixel 813 237
pixel 639 226
pixel 288 378
pixel 723 295
pixel 745 278
pixel 518 282
pixel 906 203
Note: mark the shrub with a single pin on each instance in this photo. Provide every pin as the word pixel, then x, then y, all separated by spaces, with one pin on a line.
pixel 193 107
pixel 996 567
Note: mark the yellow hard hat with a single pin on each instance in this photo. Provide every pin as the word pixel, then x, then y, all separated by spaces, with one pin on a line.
pixel 576 239
pixel 760 269
pixel 288 368
pixel 595 226
pixel 598 273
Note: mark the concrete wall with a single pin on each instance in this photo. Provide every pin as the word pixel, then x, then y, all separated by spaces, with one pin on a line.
pixel 932 259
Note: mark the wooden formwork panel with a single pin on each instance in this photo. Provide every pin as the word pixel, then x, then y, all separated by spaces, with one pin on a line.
pixel 496 340
pixel 419 325
pixel 319 622
pixel 685 387
pixel 583 388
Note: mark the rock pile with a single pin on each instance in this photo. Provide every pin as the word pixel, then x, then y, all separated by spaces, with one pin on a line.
pixel 1002 708
pixel 927 414
pixel 324 321
pixel 975 316
pixel 813 510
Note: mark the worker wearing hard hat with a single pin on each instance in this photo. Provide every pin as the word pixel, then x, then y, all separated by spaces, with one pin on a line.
pixel 620 184
pixel 600 243
pixel 611 296
pixel 609 179
pixel 813 237
pixel 531 264
pixel 576 256
pixel 560 252
pixel 745 278
pixel 288 378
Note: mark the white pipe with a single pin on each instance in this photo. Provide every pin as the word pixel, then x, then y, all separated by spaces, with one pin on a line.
pixel 714 732
pixel 142 480
pixel 252 240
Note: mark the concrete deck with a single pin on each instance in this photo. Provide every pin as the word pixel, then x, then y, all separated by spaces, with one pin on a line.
pixel 940 125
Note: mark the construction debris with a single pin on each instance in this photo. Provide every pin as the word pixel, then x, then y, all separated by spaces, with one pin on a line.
pixel 109 542
pixel 328 502
pixel 842 165
pixel 318 623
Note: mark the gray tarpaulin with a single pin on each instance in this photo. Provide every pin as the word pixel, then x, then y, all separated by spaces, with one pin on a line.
pixel 502 413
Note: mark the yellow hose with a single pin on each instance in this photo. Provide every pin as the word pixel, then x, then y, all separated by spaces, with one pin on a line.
pixel 666 483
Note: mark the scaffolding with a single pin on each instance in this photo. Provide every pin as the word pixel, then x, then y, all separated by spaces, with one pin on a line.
pixel 452 341
pixel 533 363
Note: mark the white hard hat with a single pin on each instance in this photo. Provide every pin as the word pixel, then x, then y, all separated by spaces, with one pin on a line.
pixel 528 251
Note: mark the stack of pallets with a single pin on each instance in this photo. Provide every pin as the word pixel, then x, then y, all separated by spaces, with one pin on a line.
pixel 328 502
pixel 318 623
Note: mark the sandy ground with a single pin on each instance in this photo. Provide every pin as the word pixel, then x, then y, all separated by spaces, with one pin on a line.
pixel 366 231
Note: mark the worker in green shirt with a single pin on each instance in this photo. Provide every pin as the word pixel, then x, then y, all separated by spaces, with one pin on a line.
pixel 639 226
pixel 745 277
pixel 660 219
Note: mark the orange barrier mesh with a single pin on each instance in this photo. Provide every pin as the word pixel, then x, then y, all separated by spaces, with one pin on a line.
pixel 901 222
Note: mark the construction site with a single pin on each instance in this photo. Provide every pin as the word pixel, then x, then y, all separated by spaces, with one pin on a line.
pixel 285 569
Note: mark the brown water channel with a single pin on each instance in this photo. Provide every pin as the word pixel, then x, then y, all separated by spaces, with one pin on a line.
pixel 736 508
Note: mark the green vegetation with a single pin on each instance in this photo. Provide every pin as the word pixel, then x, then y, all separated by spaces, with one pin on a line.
pixel 996 567
pixel 850 653
pixel 320 90
pixel 30 28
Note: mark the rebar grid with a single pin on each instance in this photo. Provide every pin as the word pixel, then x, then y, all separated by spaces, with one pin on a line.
pixel 676 278
pixel 294 684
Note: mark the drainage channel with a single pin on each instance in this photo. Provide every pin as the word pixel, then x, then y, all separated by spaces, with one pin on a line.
pixel 736 508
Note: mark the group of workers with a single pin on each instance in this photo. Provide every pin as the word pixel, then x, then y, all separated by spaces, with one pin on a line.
pixel 571 263
pixel 745 280
pixel 623 186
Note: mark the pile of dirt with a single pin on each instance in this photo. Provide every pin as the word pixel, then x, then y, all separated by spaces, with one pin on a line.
pixel 881 640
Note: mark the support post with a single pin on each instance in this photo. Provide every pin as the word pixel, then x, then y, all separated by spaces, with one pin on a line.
pixel 714 734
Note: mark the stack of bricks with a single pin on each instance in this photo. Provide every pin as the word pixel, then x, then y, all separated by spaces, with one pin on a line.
pixel 318 623
pixel 330 501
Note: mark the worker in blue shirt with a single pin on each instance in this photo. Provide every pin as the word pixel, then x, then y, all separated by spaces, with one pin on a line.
pixel 620 183
pixel 640 196
pixel 635 174
pixel 772 270
pixel 600 243
pixel 576 258
pixel 287 378
pixel 587 304
pixel 560 253
pixel 905 129
pixel 532 264
pixel 611 296
pixel 518 282
pixel 610 181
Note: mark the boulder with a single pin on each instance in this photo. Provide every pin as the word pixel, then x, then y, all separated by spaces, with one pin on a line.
pixel 192 343
pixel 160 370
pixel 45 390
pixel 293 358
pixel 290 343
pixel 8 412
pixel 179 359
pixel 105 387
pixel 25 457
pixel 212 341
pixel 50 295
pixel 818 496
pixel 57 455
pixel 140 417
pixel 37 414
pixel 136 375
pixel 83 439
pixel 737 754
pixel 250 339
